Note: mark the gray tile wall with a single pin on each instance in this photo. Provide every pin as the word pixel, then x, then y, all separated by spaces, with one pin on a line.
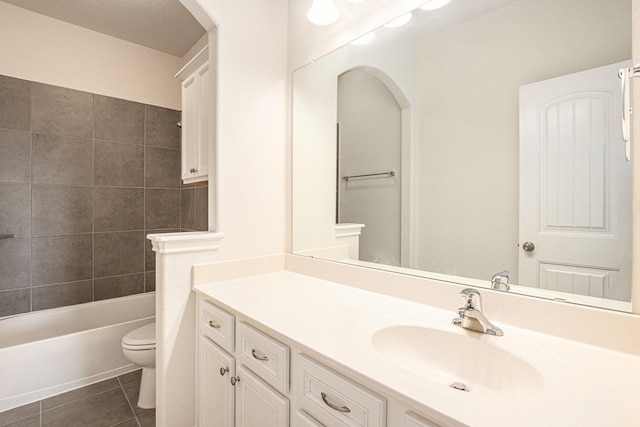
pixel 83 179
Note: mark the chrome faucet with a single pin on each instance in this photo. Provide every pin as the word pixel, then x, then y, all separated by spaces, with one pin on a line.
pixel 472 318
pixel 500 281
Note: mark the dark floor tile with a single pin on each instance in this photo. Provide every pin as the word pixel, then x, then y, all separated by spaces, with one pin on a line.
pixel 147 419
pixel 81 393
pixel 19 413
pixel 131 377
pixel 129 423
pixel 132 390
pixel 100 410
pixel 32 421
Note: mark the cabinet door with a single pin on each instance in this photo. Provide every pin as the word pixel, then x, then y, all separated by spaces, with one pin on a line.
pixel 204 111
pixel 257 404
pixel 190 102
pixel 216 395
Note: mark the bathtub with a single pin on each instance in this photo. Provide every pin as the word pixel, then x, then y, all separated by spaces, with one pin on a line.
pixel 49 352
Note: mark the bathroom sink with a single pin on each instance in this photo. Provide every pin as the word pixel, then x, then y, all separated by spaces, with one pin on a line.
pixel 466 361
pixel 425 348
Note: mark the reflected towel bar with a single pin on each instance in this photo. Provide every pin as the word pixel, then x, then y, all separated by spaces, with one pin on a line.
pixel 390 173
pixel 6 236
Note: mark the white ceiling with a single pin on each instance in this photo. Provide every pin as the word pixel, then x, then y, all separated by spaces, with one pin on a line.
pixel 163 25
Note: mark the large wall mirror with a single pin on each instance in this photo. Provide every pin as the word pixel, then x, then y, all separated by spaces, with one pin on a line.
pixel 476 141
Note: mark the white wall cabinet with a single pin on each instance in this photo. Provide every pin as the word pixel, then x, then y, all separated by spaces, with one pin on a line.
pixel 196 78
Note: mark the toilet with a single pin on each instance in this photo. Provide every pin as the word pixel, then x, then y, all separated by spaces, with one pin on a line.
pixel 139 346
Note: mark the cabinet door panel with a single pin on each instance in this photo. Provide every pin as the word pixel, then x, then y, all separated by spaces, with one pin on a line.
pixel 215 394
pixel 257 404
pixel 204 115
pixel 190 101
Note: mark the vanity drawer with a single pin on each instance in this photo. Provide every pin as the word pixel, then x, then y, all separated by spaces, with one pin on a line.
pixel 336 401
pixel 413 420
pixel 266 357
pixel 217 324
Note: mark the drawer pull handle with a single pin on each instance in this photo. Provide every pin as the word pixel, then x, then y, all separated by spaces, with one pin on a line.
pixel 234 380
pixel 333 405
pixel 257 356
pixel 223 371
pixel 214 325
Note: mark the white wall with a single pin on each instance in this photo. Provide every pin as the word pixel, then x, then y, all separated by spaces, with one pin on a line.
pixel 250 51
pixel 38 48
pixel 469 155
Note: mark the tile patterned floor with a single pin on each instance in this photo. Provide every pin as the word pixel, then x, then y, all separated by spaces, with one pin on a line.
pixel 109 403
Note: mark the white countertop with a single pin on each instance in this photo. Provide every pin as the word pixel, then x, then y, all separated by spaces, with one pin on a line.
pixel 583 385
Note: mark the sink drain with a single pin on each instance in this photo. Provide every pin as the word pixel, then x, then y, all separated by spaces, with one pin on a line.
pixel 459 386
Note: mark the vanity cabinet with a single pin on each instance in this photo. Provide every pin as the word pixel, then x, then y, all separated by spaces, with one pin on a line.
pixel 196 78
pixel 239 385
pixel 248 378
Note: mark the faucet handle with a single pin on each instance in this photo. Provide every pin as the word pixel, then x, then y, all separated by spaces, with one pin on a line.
pixel 468 294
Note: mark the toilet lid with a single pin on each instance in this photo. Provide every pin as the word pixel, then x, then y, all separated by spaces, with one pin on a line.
pixel 143 336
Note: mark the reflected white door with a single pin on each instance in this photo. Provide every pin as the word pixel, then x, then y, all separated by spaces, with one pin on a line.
pixel 370 134
pixel 575 186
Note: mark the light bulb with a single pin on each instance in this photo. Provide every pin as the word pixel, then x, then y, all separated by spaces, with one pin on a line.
pixel 323 12
pixel 399 22
pixel 434 4
pixel 367 38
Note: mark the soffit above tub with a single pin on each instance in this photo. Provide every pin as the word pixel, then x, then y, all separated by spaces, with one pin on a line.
pixel 163 25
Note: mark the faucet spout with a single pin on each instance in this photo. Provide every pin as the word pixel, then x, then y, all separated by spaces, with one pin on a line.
pixel 472 318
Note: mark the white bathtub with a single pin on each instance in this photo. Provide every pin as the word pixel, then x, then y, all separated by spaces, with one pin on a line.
pixel 49 352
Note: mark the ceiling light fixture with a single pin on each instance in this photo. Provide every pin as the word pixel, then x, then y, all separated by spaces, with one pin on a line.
pixel 399 22
pixel 323 12
pixel 434 4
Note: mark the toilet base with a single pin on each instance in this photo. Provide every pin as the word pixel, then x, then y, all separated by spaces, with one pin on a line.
pixel 147 396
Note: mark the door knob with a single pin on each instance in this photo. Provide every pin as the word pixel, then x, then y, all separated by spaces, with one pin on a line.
pixel 528 246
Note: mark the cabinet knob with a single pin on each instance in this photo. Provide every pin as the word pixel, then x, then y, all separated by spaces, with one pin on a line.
pixel 193 170
pixel 234 380
pixel 223 371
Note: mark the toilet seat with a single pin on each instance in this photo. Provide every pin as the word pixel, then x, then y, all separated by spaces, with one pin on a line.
pixel 143 338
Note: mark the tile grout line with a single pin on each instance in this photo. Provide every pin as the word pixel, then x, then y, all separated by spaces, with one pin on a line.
pixel 126 396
